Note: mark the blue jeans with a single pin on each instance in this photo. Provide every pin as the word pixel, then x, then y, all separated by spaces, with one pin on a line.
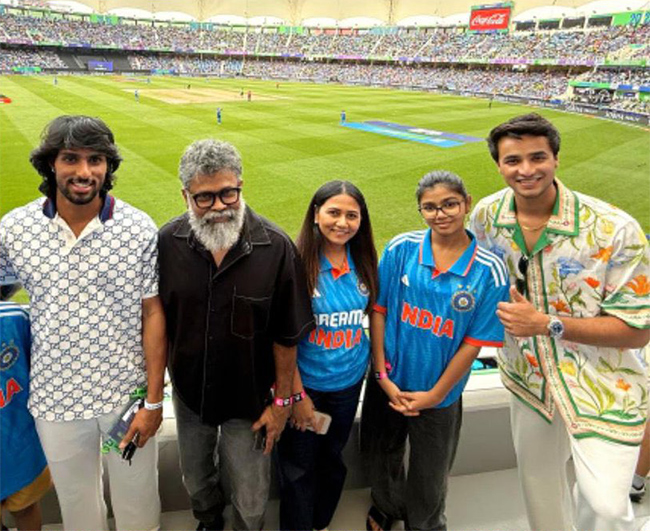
pixel 202 449
pixel 312 471
pixel 417 497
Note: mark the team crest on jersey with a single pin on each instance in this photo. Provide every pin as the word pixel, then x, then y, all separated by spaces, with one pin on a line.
pixel 8 356
pixel 362 288
pixel 463 301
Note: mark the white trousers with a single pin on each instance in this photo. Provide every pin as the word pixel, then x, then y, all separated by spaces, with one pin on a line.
pixel 603 470
pixel 73 455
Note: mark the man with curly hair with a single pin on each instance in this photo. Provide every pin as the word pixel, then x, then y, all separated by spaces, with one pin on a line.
pixel 88 262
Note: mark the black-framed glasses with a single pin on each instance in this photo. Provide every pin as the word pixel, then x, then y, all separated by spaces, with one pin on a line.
pixel 228 196
pixel 448 208
pixel 522 283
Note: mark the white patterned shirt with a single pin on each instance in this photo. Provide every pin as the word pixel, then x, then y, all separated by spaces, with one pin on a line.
pixel 86 304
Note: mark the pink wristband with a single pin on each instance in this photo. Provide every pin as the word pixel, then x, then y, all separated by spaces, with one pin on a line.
pixel 282 402
pixel 381 375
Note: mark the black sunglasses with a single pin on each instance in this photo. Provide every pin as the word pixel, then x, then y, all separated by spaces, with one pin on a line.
pixel 522 283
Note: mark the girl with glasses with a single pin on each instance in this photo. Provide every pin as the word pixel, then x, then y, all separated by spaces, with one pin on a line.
pixel 438 293
pixel 337 248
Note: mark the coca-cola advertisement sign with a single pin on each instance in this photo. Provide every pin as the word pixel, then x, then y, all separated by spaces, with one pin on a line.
pixel 494 19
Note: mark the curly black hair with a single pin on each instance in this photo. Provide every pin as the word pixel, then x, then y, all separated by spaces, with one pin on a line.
pixel 74 132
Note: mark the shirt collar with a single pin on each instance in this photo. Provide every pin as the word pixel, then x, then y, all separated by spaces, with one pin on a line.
pixel 461 266
pixel 105 213
pixel 326 265
pixel 564 219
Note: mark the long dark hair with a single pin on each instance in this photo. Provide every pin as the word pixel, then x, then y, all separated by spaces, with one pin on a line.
pixel 362 245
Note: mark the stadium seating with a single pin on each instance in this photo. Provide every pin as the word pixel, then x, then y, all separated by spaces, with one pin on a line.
pixel 537 65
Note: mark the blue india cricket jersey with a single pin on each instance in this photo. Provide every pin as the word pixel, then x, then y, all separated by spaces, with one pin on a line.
pixel 21 455
pixel 429 313
pixel 335 354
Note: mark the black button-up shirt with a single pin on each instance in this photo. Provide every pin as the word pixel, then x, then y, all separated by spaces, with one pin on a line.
pixel 222 321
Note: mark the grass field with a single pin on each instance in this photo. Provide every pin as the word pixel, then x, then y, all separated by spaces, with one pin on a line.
pixel 291 142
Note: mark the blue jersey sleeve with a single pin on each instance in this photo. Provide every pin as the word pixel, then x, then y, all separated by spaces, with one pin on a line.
pixel 485 329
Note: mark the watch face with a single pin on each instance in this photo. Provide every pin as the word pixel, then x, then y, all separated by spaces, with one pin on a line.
pixel 556 327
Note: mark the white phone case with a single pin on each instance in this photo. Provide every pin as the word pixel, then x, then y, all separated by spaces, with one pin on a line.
pixel 321 423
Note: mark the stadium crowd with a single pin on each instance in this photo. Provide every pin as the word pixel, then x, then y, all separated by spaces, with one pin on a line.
pixel 442 45
pixel 617 76
pixel 23 58
pixel 325 57
pixel 547 84
pixel 543 84
pixel 184 64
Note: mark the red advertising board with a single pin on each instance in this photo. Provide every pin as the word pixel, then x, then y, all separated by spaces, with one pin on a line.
pixel 491 19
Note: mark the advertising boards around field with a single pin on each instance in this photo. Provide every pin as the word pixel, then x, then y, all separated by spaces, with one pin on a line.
pixel 101 66
pixel 26 69
pixel 624 116
pixel 633 18
pixel 490 18
pixel 506 98
pixel 610 114
pixel 580 108
pixel 443 139
pixel 626 61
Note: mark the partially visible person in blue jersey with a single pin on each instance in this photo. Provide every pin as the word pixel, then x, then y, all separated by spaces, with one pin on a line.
pixel 24 476
pixel 438 294
pixel 336 246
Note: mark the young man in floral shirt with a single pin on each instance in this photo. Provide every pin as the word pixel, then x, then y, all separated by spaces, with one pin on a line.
pixel 579 310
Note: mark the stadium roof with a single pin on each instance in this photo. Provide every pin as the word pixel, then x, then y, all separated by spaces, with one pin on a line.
pixel 294 12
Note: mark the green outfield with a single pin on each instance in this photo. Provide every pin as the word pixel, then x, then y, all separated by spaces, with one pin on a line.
pixel 291 142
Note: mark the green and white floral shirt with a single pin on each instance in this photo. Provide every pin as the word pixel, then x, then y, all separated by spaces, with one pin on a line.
pixel 592 259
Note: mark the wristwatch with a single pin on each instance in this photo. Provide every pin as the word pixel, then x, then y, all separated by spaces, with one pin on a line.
pixel 555 327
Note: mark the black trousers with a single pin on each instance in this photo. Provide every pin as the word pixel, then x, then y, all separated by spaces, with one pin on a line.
pixel 312 471
pixel 418 495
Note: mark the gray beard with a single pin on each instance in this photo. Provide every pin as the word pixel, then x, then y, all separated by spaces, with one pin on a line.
pixel 222 235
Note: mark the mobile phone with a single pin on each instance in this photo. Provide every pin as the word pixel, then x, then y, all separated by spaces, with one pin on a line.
pixel 321 423
pixel 129 449
pixel 121 426
pixel 259 439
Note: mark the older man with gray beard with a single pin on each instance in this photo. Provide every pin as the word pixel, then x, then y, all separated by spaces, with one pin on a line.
pixel 236 302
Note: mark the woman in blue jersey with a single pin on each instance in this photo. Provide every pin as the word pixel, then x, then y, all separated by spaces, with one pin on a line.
pixel 336 246
pixel 438 293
